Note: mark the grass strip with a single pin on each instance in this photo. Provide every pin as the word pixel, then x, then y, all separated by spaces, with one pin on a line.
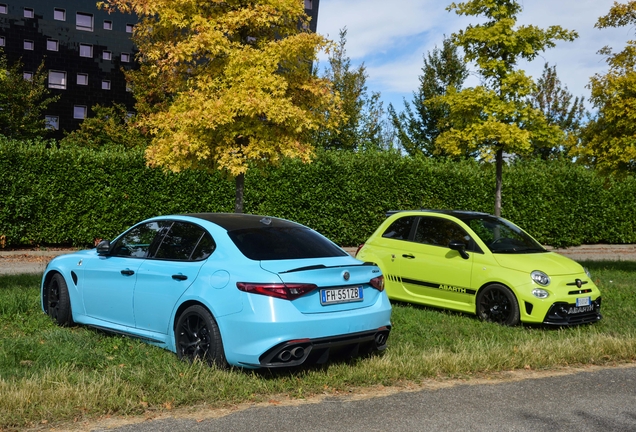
pixel 51 374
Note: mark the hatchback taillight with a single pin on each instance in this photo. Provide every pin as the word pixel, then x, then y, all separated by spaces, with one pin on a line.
pixel 288 291
pixel 377 283
pixel 360 246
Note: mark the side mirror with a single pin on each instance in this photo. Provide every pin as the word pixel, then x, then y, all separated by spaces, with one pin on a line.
pixel 103 247
pixel 459 247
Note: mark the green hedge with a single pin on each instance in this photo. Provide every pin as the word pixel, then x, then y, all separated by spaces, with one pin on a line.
pixel 74 196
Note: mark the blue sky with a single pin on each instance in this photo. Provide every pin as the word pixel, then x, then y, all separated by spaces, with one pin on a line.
pixel 391 36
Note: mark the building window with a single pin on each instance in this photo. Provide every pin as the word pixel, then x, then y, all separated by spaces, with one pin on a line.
pixel 105 85
pixel 86 50
pixel 82 79
pixel 3 8
pixel 308 4
pixel 52 122
pixel 129 28
pixel 28 45
pixel 1 40
pixel 84 21
pixel 28 76
pixel 125 57
pixel 59 14
pixel 107 55
pixel 79 111
pixel 28 13
pixel 57 80
pixel 52 45
pixel 108 25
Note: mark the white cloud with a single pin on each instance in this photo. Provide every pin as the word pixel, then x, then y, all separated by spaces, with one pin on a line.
pixel 391 37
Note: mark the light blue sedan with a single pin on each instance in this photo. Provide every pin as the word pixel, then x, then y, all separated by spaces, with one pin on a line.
pixel 245 290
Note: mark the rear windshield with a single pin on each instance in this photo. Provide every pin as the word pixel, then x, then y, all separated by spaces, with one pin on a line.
pixel 281 243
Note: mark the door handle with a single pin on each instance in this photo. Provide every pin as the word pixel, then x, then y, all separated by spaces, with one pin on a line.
pixel 408 256
pixel 127 272
pixel 179 277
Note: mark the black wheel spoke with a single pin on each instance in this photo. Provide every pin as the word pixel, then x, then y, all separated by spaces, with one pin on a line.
pixel 198 337
pixel 497 304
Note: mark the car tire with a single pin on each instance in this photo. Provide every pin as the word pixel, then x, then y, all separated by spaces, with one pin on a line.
pixel 58 301
pixel 197 337
pixel 496 303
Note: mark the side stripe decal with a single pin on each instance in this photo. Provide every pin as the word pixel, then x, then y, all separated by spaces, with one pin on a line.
pixel 443 287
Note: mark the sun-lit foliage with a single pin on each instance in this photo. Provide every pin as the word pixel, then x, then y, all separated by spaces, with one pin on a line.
pixel 496 117
pixel 225 84
pixel 609 140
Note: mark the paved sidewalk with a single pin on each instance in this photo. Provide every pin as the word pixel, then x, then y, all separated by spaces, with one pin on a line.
pixel 34 261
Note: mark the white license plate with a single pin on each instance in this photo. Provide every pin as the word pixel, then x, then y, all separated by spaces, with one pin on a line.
pixel 583 301
pixel 341 295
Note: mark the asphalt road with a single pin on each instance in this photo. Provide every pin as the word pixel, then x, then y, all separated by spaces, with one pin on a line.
pixel 594 400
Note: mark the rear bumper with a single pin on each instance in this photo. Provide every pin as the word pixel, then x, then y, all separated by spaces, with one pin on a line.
pixel 318 351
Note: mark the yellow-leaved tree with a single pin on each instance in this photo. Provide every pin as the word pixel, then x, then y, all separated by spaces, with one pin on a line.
pixel 227 84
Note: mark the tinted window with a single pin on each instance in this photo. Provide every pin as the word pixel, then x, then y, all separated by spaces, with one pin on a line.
pixel 278 243
pixel 204 249
pixel 180 242
pixel 400 229
pixel 439 232
pixel 136 242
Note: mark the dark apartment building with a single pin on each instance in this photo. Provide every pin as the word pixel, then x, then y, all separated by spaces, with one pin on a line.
pixel 84 50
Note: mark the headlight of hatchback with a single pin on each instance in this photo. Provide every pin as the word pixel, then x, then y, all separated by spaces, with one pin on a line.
pixel 540 293
pixel 587 272
pixel 540 278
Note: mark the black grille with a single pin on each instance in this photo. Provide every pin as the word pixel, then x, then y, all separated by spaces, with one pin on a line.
pixel 560 314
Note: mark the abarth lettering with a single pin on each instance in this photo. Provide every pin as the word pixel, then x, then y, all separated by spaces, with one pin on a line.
pixel 452 288
pixel 575 310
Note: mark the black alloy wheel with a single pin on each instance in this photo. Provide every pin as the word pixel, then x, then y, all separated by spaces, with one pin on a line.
pixel 197 337
pixel 496 303
pixel 58 302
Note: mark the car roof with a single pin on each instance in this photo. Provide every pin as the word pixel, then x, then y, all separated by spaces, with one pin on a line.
pixel 235 221
pixel 460 214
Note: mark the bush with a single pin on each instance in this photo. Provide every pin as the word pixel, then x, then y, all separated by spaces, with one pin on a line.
pixel 74 196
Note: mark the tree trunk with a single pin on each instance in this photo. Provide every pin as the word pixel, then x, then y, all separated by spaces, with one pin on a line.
pixel 498 181
pixel 238 202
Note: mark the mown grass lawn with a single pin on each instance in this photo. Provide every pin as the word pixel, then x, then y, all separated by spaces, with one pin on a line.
pixel 51 374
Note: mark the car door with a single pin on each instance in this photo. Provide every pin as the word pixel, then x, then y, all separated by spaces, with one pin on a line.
pixel 163 278
pixel 109 281
pixel 433 272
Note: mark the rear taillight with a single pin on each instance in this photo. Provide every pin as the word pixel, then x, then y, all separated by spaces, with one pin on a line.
pixel 288 291
pixel 377 283
pixel 360 246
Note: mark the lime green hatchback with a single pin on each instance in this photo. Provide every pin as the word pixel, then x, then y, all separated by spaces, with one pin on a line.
pixel 480 264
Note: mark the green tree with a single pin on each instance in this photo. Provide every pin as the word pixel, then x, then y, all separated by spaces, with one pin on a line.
pixel 362 127
pixel 496 117
pixel 421 122
pixel 23 101
pixel 108 128
pixel 228 84
pixel 609 139
pixel 556 104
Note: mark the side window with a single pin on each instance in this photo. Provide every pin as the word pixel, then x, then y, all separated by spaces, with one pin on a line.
pixel 439 232
pixel 400 229
pixel 182 240
pixel 204 249
pixel 136 242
